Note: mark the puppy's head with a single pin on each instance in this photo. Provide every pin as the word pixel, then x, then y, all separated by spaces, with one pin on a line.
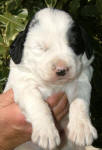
pixel 52 46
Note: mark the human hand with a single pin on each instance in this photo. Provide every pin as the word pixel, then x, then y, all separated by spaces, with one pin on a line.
pixel 59 105
pixel 14 130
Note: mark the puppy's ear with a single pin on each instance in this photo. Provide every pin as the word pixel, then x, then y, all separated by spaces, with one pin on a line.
pixel 16 48
pixel 79 40
pixel 87 43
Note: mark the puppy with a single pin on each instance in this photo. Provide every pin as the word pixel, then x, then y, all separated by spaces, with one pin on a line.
pixel 53 54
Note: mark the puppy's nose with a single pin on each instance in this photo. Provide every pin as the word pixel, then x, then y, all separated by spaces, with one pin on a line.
pixel 61 71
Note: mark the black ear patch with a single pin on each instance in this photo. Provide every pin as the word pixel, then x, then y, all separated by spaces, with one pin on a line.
pixel 16 48
pixel 87 43
pixel 79 40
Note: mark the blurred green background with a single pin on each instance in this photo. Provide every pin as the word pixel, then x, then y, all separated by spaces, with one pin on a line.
pixel 14 15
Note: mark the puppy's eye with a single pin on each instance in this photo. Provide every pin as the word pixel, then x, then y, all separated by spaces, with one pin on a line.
pixel 43 47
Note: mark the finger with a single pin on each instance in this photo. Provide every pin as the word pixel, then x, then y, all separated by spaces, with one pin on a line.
pixel 10 94
pixel 54 99
pixel 6 98
pixel 61 105
pixel 28 128
pixel 62 114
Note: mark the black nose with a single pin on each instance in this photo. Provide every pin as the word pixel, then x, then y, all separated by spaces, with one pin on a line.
pixel 61 72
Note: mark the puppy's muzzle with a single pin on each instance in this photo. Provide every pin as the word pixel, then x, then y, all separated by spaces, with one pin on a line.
pixel 60 68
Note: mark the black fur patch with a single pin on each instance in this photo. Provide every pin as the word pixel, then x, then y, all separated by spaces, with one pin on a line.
pixel 16 48
pixel 33 23
pixel 79 41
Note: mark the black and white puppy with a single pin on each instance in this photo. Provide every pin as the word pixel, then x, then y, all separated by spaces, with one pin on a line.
pixel 53 54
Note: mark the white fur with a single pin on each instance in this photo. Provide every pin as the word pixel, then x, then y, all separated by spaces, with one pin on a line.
pixel 33 80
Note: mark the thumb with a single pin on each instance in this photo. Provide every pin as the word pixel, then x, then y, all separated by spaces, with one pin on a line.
pixel 6 98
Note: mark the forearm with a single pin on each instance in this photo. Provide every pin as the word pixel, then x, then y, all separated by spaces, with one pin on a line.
pixel 79 117
pixel 81 94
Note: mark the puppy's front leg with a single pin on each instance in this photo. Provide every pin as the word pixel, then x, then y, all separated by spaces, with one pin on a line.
pixel 39 115
pixel 80 129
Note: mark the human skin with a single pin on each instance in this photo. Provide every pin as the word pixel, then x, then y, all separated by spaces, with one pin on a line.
pixel 14 129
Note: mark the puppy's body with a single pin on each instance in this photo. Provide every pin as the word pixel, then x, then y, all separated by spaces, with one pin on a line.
pixel 53 54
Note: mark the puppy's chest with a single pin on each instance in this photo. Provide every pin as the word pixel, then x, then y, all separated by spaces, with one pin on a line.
pixel 48 91
pixel 70 89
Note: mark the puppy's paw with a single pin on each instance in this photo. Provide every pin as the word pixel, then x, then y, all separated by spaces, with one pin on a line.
pixel 81 132
pixel 46 137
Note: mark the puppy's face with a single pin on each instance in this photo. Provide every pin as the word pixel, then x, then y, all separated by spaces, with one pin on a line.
pixel 53 46
pixel 55 60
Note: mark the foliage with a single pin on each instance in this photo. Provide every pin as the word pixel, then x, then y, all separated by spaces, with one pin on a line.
pixel 14 15
pixel 12 21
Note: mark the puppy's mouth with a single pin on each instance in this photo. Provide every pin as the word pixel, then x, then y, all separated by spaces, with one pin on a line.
pixel 59 80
